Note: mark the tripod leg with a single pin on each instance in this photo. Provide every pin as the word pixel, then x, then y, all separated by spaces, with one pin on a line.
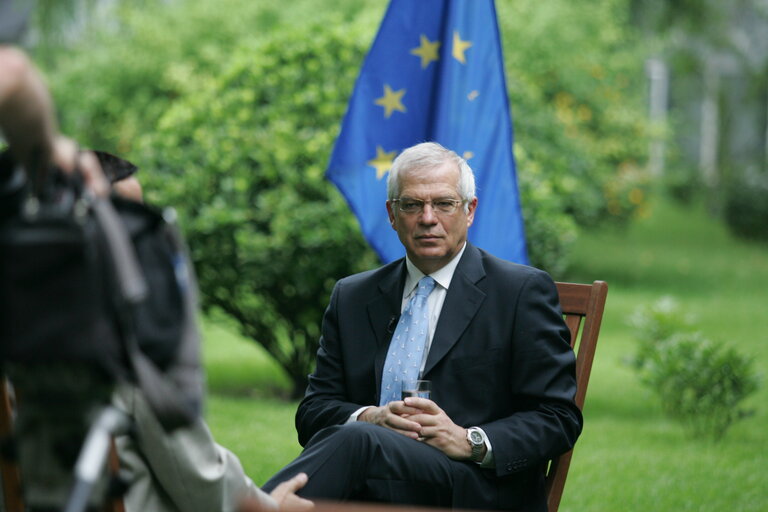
pixel 93 455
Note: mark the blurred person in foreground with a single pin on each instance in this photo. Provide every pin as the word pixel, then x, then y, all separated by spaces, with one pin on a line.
pixel 490 338
pixel 184 470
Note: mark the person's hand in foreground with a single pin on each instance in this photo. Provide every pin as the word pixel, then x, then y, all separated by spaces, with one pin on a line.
pixel 285 494
pixel 28 123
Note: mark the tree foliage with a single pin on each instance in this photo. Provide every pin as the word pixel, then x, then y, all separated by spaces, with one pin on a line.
pixel 244 160
pixel 578 74
pixel 576 86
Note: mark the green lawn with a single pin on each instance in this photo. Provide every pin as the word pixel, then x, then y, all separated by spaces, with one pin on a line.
pixel 629 457
pixel 243 407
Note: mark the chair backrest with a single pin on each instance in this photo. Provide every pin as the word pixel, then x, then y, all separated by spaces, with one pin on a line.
pixel 582 306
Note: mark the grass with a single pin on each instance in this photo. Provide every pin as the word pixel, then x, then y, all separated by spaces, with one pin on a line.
pixel 243 408
pixel 630 457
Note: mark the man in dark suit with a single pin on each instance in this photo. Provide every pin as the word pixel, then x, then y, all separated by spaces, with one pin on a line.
pixel 495 349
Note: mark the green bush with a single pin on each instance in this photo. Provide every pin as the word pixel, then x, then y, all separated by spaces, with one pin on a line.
pixel 576 84
pixel 549 232
pixel 746 206
pixel 683 184
pixel 654 325
pixel 134 61
pixel 244 158
pixel 700 383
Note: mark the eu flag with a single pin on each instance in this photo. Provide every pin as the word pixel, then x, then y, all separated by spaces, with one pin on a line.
pixel 434 73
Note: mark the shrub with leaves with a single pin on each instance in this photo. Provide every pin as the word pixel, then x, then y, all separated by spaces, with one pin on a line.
pixel 654 325
pixel 576 85
pixel 549 232
pixel 746 205
pixel 243 159
pixel 133 60
pixel 700 383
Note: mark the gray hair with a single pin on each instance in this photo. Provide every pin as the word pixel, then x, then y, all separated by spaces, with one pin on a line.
pixel 426 156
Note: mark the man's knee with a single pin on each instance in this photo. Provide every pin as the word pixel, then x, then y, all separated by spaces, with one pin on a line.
pixel 355 436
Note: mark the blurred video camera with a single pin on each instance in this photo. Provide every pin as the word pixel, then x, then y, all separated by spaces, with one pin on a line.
pixel 93 291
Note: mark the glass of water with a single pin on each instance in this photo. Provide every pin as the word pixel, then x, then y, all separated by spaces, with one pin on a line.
pixel 415 387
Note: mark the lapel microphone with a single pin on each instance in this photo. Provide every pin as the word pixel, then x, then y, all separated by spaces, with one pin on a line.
pixel 392 324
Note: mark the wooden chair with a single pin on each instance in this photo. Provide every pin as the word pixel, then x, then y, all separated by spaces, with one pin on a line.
pixel 580 302
pixel 582 306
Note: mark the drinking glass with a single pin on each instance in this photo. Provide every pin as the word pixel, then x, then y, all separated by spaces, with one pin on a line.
pixel 415 387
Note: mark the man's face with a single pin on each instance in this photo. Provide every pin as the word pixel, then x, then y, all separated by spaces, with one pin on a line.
pixel 431 237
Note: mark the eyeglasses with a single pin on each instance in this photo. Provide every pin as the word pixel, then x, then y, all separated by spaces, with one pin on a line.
pixel 443 205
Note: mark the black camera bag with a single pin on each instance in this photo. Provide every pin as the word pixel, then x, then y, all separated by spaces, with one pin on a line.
pixel 106 282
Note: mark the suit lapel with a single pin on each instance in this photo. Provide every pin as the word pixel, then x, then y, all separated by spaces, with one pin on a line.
pixel 381 312
pixel 460 307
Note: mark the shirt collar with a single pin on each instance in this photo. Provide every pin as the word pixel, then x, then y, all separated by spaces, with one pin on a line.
pixel 442 276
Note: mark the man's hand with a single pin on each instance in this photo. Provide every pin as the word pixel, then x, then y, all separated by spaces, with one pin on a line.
pixel 66 157
pixel 285 494
pixel 28 123
pixel 438 430
pixel 395 416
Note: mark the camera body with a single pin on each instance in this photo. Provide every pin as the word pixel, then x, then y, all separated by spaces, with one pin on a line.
pixel 93 292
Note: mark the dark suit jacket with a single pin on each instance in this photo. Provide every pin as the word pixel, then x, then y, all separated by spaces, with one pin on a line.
pixel 500 359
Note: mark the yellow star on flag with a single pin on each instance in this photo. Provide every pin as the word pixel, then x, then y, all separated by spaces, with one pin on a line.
pixel 459 47
pixel 391 101
pixel 382 162
pixel 427 51
pixel 467 155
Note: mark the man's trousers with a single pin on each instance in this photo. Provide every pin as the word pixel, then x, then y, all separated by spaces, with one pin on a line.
pixel 364 462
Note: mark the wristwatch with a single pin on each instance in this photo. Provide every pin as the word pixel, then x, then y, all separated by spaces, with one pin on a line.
pixel 476 439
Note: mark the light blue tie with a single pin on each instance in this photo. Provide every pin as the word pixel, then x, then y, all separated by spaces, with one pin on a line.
pixel 406 350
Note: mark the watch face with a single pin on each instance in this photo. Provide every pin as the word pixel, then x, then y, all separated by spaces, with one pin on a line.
pixel 476 437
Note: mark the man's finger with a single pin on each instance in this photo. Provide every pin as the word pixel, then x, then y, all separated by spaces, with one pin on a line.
pixel 423 404
pixel 407 433
pixel 66 157
pixel 92 174
pixel 400 408
pixel 296 483
pixel 425 419
pixel 405 425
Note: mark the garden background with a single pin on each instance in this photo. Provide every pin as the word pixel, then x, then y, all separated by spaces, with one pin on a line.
pixel 230 109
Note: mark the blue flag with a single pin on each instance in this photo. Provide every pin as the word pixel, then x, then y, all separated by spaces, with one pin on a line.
pixel 434 73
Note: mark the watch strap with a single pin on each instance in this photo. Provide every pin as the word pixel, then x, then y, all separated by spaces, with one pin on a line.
pixel 477 447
